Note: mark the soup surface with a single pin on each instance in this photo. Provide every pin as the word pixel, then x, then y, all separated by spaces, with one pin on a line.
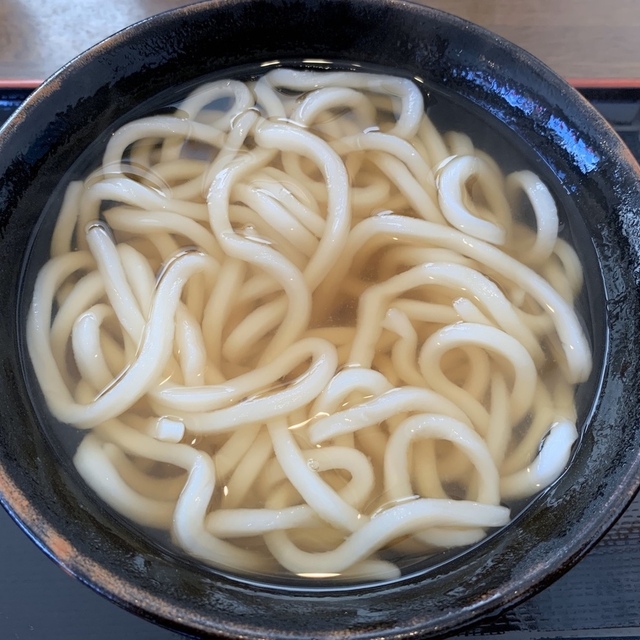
pixel 311 328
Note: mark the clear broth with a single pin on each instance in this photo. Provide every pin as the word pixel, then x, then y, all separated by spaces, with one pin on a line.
pixel 448 112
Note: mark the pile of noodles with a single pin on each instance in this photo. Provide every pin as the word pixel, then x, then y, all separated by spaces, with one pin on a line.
pixel 304 330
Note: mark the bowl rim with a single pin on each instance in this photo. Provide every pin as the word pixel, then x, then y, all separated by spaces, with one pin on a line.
pixel 53 541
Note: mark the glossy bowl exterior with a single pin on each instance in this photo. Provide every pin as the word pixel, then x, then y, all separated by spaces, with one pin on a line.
pixel 594 170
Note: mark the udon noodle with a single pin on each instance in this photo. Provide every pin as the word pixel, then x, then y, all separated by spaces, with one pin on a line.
pixel 305 331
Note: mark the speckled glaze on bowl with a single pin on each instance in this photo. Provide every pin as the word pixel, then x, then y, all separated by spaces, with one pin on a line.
pixel 592 170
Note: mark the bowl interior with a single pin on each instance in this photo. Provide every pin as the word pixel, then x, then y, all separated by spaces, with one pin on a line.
pixel 579 157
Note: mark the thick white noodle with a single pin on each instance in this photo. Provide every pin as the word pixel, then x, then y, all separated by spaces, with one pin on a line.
pixel 544 209
pixel 306 332
pixel 456 205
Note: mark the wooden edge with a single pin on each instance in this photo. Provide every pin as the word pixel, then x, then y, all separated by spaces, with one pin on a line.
pixel 19 84
pixel 604 83
pixel 578 83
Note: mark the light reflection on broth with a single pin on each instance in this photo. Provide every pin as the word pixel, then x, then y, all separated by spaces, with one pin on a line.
pixel 306 332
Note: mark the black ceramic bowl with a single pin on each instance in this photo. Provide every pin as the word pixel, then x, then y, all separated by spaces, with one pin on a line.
pixel 588 169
